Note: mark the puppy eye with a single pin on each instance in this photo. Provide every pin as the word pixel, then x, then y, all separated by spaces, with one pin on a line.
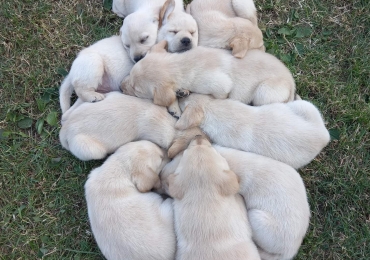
pixel 174 32
pixel 127 46
pixel 144 40
pixel 192 33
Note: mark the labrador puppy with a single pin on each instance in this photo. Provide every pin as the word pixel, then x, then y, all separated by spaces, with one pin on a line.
pixel 98 69
pixel 275 198
pixel 210 217
pixel 144 17
pixel 178 28
pixel 258 79
pixel 140 26
pixel 293 133
pixel 227 24
pixel 92 131
pixel 128 221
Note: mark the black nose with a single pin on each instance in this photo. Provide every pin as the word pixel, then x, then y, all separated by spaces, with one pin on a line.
pixel 137 58
pixel 185 41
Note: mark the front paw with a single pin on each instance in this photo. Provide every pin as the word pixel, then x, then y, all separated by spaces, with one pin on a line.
pixel 96 97
pixel 174 114
pixel 181 93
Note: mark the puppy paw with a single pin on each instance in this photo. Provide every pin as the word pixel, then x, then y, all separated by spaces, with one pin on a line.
pixel 174 115
pixel 96 97
pixel 181 93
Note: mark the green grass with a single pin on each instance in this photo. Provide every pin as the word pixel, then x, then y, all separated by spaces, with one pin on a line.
pixel 43 212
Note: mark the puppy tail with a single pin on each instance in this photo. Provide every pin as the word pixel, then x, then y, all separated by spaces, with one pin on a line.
pixel 65 93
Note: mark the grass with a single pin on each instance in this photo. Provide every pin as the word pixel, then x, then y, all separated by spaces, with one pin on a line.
pixel 43 212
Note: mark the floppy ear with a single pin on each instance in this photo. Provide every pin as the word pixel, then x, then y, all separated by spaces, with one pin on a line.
pixel 145 180
pixel 229 185
pixel 174 190
pixel 183 139
pixel 239 47
pixel 192 116
pixel 166 11
pixel 164 96
pixel 160 47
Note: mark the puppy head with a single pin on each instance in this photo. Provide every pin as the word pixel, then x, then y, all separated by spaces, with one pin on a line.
pixel 147 161
pixel 202 170
pixel 150 78
pixel 139 33
pixel 178 28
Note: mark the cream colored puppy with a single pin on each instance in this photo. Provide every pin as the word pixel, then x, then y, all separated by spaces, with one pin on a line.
pixel 144 17
pixel 293 133
pixel 128 221
pixel 275 198
pixel 210 218
pixel 140 26
pixel 259 78
pixel 178 28
pixel 227 24
pixel 92 131
pixel 98 69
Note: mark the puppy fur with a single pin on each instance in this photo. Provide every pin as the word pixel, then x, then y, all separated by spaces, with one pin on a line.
pixel 178 28
pixel 259 78
pixel 293 133
pixel 97 69
pixel 275 198
pixel 128 221
pixel 92 131
pixel 210 217
pixel 227 24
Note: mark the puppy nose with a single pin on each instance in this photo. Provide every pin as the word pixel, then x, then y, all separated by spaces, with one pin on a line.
pixel 137 58
pixel 185 41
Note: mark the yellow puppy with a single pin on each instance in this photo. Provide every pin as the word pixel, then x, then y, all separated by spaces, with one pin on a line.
pixel 210 217
pixel 227 24
pixel 127 221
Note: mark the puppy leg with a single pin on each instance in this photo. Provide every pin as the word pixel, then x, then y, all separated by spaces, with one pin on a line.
pixel 182 140
pixel 87 74
pixel 174 109
pixel 86 148
pixel 273 91
pixel 89 95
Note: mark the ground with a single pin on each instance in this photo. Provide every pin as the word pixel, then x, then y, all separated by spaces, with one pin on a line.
pixel 43 212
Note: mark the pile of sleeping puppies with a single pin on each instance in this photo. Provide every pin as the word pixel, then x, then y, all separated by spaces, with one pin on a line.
pixel 204 132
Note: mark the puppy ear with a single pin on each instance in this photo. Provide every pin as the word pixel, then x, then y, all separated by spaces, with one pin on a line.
pixel 229 185
pixel 183 139
pixel 145 180
pixel 192 116
pixel 239 47
pixel 174 190
pixel 165 12
pixel 160 47
pixel 164 96
pixel 188 9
